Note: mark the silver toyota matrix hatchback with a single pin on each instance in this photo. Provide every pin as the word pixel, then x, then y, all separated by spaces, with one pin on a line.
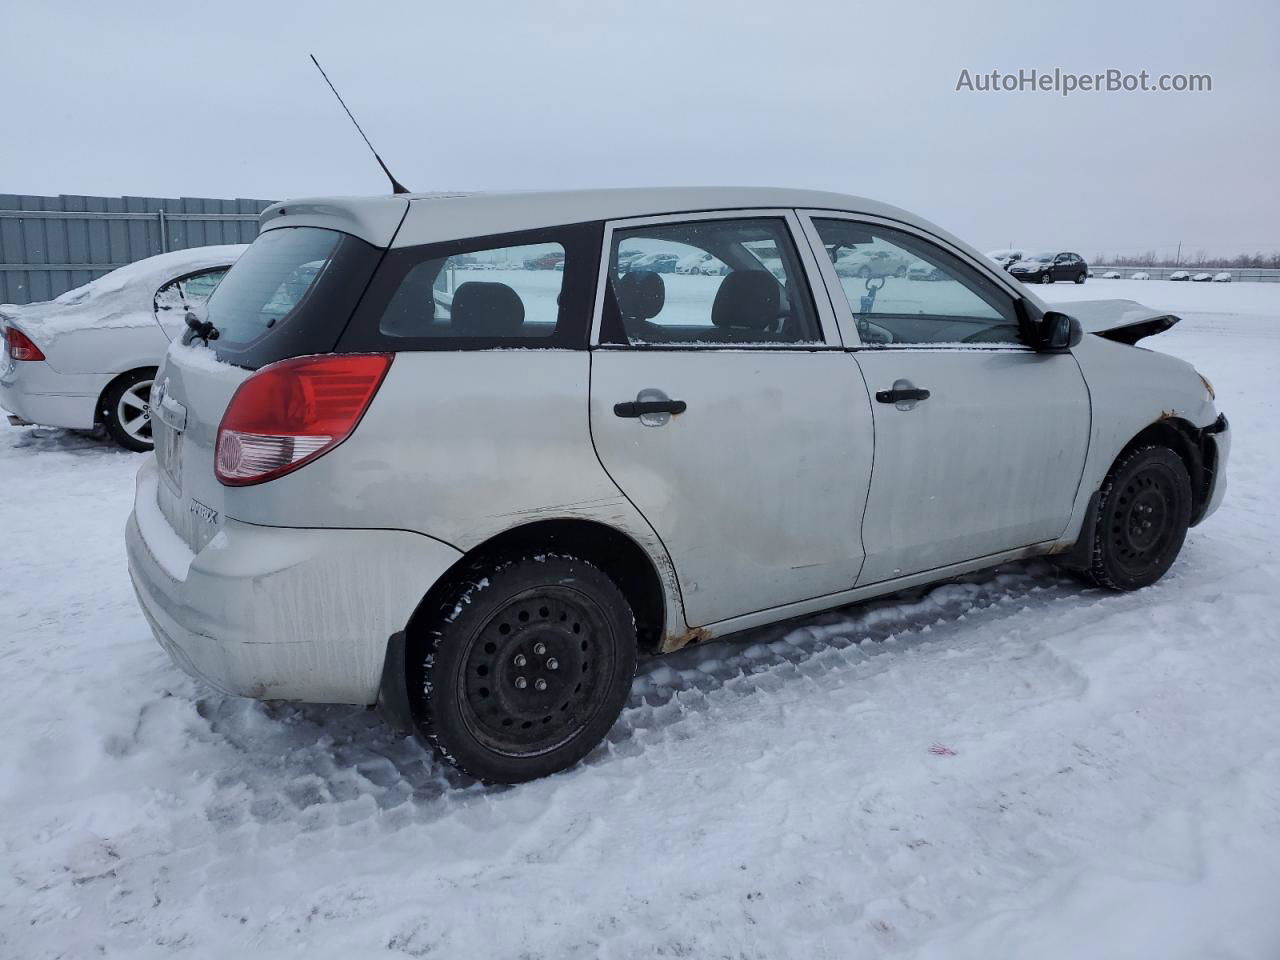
pixel 467 456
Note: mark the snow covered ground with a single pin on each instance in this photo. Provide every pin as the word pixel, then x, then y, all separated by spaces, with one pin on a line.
pixel 1012 766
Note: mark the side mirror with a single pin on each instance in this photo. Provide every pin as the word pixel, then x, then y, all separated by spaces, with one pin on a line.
pixel 1049 332
pixel 1059 332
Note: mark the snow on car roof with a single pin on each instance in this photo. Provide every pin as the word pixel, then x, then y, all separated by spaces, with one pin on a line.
pixel 121 298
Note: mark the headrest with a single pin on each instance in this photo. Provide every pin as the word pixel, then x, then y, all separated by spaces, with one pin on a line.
pixel 748 299
pixel 483 309
pixel 640 295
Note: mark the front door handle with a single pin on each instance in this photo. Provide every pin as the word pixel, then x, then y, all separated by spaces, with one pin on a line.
pixel 902 395
pixel 638 408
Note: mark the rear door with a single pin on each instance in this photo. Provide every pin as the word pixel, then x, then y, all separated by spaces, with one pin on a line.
pixel 979 441
pixel 725 409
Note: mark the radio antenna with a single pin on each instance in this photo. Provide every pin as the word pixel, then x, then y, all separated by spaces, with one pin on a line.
pixel 396 185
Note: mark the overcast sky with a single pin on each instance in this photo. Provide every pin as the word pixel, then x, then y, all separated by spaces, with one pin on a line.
pixel 219 99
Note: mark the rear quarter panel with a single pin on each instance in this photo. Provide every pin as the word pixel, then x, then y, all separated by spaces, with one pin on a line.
pixel 109 350
pixel 461 446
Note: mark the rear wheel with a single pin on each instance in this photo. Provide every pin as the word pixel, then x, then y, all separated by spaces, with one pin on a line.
pixel 126 410
pixel 1143 513
pixel 524 668
pixel 1080 277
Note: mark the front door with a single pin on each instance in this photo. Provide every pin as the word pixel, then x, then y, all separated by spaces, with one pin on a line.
pixel 723 412
pixel 979 441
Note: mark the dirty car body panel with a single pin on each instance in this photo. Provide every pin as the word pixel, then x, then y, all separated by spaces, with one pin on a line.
pixel 786 479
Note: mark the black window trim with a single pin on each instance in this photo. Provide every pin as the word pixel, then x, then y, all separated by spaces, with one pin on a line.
pixel 1000 284
pixel 809 273
pixel 581 244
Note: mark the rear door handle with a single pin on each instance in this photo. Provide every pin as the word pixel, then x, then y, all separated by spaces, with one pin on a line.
pixel 638 408
pixel 902 395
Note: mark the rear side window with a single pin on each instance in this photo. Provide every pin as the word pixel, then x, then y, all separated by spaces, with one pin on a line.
pixel 290 294
pixel 527 289
pixel 504 291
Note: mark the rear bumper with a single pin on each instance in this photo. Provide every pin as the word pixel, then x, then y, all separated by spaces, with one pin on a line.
pixel 35 392
pixel 274 612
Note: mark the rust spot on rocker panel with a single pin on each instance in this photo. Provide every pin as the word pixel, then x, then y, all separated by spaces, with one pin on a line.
pixel 678 641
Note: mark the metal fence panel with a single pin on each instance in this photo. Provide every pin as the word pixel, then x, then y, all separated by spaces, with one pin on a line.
pixel 49 245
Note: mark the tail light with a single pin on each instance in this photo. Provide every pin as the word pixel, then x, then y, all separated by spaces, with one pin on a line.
pixel 20 346
pixel 290 413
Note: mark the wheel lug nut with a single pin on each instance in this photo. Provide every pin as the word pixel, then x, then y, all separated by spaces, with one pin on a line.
pixel 521 683
pixel 519 661
pixel 540 684
pixel 539 648
pixel 552 663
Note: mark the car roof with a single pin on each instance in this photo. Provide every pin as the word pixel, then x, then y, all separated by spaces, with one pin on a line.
pixel 411 219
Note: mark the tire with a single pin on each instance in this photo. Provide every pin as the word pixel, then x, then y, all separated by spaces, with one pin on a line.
pixel 1046 277
pixel 1080 277
pixel 1143 513
pixel 523 668
pixel 126 411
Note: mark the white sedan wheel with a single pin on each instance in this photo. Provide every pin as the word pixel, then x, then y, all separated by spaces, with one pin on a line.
pixel 133 412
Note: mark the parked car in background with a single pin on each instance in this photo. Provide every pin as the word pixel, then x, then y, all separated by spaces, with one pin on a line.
pixel 700 264
pixel 1005 258
pixel 866 264
pixel 1202 278
pixel 478 511
pixel 1140 275
pixel 89 356
pixel 1223 277
pixel 547 261
pixel 654 263
pixel 1180 275
pixel 1111 275
pixel 1048 267
pixel 919 270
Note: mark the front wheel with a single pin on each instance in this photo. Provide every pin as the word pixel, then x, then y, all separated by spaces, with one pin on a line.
pixel 1143 513
pixel 524 668
pixel 126 410
pixel 1046 277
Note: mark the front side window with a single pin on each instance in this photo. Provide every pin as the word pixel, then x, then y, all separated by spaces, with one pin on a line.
pixel 903 290
pixel 707 282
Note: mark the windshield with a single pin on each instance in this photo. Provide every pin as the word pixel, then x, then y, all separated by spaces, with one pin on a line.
pixel 1042 258
pixel 269 281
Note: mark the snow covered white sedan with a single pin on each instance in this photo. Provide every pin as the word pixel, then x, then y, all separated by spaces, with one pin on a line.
pixel 89 356
pixel 475 501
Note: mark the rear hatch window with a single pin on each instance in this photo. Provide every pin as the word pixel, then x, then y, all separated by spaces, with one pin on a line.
pixel 290 294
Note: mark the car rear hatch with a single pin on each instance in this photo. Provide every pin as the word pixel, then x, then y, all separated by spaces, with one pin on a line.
pixel 291 294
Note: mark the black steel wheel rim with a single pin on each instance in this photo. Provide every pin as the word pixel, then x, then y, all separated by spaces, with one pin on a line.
pixel 1141 525
pixel 536 672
